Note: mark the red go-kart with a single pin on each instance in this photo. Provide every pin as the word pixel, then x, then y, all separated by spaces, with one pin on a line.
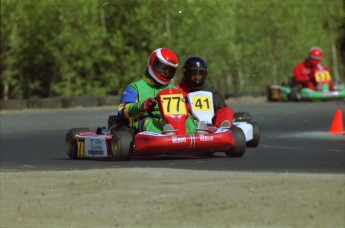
pixel 119 142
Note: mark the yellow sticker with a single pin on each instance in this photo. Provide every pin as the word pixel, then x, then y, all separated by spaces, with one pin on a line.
pixel 322 76
pixel 81 147
pixel 202 103
pixel 173 104
pixel 275 93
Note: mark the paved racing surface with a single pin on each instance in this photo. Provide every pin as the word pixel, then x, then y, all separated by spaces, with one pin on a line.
pixel 294 138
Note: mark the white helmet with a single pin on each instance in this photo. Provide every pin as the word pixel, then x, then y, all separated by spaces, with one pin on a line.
pixel 162 65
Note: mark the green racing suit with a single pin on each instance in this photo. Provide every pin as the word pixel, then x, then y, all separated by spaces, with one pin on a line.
pixel 131 100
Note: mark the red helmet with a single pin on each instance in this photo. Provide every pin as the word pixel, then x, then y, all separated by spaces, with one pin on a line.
pixel 162 65
pixel 315 53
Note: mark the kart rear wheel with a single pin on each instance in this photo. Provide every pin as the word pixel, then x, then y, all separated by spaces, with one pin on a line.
pixel 71 141
pixel 269 93
pixel 256 136
pixel 240 141
pixel 122 145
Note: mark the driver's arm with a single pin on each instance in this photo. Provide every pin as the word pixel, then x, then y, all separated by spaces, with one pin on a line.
pixel 299 76
pixel 129 106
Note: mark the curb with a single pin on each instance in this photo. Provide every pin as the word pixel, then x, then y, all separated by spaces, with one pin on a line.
pixel 44 103
pixel 13 104
pixel 59 102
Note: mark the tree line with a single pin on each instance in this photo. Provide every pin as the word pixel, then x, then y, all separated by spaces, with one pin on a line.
pixel 96 47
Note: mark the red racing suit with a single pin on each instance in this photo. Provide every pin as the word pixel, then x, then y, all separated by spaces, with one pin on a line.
pixel 222 111
pixel 304 74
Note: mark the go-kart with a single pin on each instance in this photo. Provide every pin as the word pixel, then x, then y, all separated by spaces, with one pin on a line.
pixel 295 92
pixel 205 113
pixel 120 142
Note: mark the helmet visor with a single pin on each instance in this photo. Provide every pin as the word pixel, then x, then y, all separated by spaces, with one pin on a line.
pixel 196 77
pixel 164 70
pixel 201 72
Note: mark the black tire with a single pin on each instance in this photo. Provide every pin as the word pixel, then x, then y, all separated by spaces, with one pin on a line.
pixel 241 117
pixel 240 141
pixel 295 94
pixel 269 93
pixel 122 145
pixel 256 136
pixel 71 141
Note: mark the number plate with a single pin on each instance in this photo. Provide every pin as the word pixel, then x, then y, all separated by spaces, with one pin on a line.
pixel 81 147
pixel 322 76
pixel 201 103
pixel 173 104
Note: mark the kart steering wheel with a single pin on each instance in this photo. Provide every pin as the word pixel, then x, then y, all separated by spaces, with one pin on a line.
pixel 150 113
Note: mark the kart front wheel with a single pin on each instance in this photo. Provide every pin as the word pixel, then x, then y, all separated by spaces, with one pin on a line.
pixel 256 136
pixel 241 117
pixel 240 143
pixel 122 145
pixel 295 94
pixel 71 141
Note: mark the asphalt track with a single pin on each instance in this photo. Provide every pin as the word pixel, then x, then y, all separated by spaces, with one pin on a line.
pixel 294 139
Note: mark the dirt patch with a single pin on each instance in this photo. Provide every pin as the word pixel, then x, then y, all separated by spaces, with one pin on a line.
pixel 170 198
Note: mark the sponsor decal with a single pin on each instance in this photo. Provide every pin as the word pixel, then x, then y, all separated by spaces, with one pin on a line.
pixel 206 138
pixel 331 94
pixel 95 152
pixel 96 146
pixel 178 140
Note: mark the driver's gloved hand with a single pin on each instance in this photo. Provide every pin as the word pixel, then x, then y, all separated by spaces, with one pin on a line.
pixel 148 104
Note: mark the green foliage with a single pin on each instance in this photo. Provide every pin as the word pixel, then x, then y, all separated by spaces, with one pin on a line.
pixel 68 48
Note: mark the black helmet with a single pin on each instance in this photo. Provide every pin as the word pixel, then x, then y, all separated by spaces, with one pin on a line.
pixel 194 66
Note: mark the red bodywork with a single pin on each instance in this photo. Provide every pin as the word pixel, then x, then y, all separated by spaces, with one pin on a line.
pixel 146 143
pixel 173 108
pixel 149 144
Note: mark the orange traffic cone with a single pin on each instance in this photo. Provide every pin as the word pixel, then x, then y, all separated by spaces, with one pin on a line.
pixel 337 124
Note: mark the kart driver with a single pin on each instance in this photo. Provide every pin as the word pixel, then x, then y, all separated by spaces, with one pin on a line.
pixel 138 97
pixel 304 72
pixel 194 76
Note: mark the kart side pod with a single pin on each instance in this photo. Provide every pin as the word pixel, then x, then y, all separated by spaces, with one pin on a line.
pixel 232 142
